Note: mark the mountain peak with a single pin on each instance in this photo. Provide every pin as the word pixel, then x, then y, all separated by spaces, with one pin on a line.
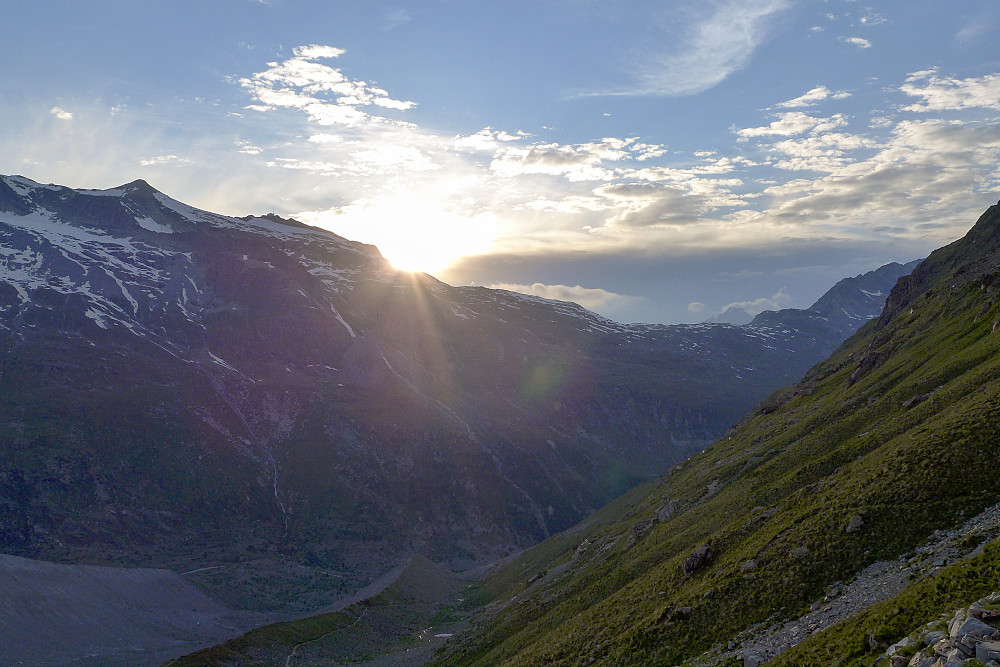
pixel 138 185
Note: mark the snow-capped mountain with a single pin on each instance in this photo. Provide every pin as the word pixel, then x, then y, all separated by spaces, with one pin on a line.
pixel 183 388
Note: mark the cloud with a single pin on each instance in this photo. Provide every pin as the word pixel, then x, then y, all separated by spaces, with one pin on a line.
pixel 716 45
pixel 577 162
pixel 794 122
pixel 61 114
pixel 164 159
pixel 695 307
pixel 927 171
pixel 950 94
pixel 396 18
pixel 322 92
pixel 588 297
pixel 777 301
pixel 813 97
pixel 859 42
pixel 315 51
pixel 872 19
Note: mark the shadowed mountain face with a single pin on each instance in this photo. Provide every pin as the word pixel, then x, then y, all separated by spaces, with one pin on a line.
pixel 881 453
pixel 183 388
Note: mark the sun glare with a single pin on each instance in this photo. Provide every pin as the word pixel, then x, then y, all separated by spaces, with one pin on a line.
pixel 413 233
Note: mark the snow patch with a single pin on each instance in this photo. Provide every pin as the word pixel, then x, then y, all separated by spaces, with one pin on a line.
pixel 153 226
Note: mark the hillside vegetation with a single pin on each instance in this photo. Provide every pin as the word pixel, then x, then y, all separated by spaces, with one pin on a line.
pixel 893 437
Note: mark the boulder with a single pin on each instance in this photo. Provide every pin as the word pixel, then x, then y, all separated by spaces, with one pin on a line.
pixel 697 560
pixel 988 650
pixel 901 644
pixel 973 630
pixel 855 524
pixel 922 659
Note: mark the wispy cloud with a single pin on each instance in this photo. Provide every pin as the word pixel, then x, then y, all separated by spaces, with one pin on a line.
pixel 718 43
pixel 157 160
pixel 813 97
pixel 859 42
pixel 396 18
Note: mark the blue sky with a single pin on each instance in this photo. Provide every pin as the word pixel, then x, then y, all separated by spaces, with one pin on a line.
pixel 654 161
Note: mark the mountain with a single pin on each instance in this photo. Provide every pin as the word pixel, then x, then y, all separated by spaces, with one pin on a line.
pixel 845 307
pixel 866 493
pixel 278 409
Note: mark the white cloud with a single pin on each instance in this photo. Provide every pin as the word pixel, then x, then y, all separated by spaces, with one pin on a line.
pixel 950 94
pixel 776 301
pixel 859 42
pixel 695 307
pixel 248 148
pixel 813 97
pixel 164 159
pixel 61 114
pixel 872 19
pixel 717 45
pixel 323 92
pixel 577 162
pixel 588 297
pixel 314 51
pixel 792 123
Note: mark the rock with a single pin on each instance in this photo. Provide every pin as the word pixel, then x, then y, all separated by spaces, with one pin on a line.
pixel 748 566
pixel 697 560
pixel 855 524
pixel 934 637
pixel 922 659
pixel 972 630
pixel 666 511
pixel 956 623
pixel 988 650
pixel 680 613
pixel 752 660
pixel 800 552
pixel 901 644
pixel 898 661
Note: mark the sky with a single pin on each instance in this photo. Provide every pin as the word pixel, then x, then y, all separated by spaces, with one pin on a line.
pixel 652 160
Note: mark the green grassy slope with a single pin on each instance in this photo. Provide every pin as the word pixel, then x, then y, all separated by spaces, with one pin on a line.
pixel 900 427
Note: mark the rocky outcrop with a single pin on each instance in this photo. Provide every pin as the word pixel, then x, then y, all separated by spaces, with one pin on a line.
pixel 968 636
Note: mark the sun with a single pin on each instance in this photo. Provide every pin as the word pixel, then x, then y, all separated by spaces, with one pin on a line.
pixel 416 234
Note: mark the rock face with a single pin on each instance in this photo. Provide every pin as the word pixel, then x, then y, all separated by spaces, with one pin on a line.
pixel 183 387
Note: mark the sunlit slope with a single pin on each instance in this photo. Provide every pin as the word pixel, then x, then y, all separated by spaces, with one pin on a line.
pixel 897 431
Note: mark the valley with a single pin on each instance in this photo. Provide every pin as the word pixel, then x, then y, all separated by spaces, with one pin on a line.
pixel 279 413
